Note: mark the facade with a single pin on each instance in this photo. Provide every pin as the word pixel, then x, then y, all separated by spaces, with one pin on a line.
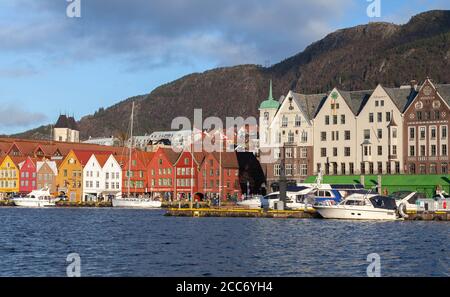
pixel 220 175
pixel 28 176
pixel 162 173
pixel 187 168
pixel 380 131
pixel 66 130
pixel 47 171
pixel 102 178
pixel 9 176
pixel 70 178
pixel 426 141
pixel 137 174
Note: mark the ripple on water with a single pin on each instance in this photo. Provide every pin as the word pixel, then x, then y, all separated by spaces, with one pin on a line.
pixel 112 242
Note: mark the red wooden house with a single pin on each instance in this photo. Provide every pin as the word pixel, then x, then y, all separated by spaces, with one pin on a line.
pixel 27 175
pixel 187 168
pixel 209 178
pixel 138 185
pixel 161 173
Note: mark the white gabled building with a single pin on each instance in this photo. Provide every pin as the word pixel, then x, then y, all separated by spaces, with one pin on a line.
pixel 335 133
pixel 102 178
pixel 380 131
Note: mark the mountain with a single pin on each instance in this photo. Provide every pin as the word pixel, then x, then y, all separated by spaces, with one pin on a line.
pixel 350 59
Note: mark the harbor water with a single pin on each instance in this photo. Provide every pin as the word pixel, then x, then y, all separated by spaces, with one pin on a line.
pixel 121 242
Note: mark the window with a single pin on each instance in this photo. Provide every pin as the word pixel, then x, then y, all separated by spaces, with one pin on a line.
pixel 288 169
pixel 277 170
pixel 323 136
pixel 335 151
pixel 397 167
pixel 422 169
pixel 266 116
pixel 376 103
pixel 412 168
pixel 433 168
pixel 304 136
pixel 343 168
pixel 370 168
pixel 422 133
pixel 444 150
pixel 444 132
pixel 303 169
pixel 371 117
pixel 394 150
pixel 367 150
pixel 444 168
pixel 419 115
pixel 380 150
pixel 433 132
pixel 347 135
pixel 327 120
pixel 382 102
pixel 347 151
pixel 380 167
pixel 351 168
pixel 380 133
pixel 388 116
pixel 366 134
pixel 343 119
pixel 288 153
pixel 323 152
pixel 363 168
pixel 379 117
pixel 291 137
pixel 388 168
pixel 394 133
pixel 422 150
pixel 433 150
pixel 298 121
pixel 412 150
pixel 335 119
pixel 284 122
pixel 303 152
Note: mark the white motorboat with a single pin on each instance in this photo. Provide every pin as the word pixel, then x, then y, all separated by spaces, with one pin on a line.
pixel 136 203
pixel 252 203
pixel 298 199
pixel 37 198
pixel 360 207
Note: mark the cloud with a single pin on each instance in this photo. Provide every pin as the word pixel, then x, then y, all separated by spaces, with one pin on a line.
pixel 20 68
pixel 160 32
pixel 15 116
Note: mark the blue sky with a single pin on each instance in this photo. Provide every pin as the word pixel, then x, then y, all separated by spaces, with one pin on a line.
pixel 51 64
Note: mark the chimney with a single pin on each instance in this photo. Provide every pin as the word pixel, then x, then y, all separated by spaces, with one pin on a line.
pixel 413 84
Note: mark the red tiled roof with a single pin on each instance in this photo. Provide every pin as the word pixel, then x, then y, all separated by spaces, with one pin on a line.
pixel 101 159
pixel 84 156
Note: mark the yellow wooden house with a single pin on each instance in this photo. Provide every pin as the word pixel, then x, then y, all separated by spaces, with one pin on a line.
pixel 70 178
pixel 9 176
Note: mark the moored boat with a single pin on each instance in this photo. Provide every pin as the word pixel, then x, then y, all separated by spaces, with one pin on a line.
pixel 37 198
pixel 136 203
pixel 360 207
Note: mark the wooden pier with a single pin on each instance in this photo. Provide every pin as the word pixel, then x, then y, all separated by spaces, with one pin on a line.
pixel 241 213
pixel 285 214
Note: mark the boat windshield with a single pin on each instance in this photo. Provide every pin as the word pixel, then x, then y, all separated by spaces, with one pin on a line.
pixel 383 202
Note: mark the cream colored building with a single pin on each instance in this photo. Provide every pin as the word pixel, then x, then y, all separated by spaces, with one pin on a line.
pixel 380 131
pixel 66 130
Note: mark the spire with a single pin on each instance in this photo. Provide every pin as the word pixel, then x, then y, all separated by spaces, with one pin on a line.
pixel 270 92
pixel 270 103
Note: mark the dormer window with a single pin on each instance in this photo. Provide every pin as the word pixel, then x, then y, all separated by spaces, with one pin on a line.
pixel 284 122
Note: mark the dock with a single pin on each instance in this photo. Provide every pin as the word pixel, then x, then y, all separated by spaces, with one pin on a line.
pixel 241 213
pixel 286 214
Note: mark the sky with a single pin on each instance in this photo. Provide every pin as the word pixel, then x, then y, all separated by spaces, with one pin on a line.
pixel 51 63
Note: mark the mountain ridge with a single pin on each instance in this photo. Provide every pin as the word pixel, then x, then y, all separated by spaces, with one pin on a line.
pixel 353 58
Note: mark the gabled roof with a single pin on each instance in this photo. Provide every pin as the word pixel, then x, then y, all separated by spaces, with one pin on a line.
pixel 229 159
pixel 310 104
pixel 84 156
pixel 101 159
pixel 356 99
pixel 401 97
pixel 51 164
pixel 444 91
pixel 66 122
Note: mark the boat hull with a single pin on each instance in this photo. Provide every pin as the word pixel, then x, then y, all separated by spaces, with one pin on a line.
pixel 136 203
pixel 252 204
pixel 33 203
pixel 346 213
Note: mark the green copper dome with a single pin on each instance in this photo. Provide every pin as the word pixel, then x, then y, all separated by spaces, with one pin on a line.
pixel 270 103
